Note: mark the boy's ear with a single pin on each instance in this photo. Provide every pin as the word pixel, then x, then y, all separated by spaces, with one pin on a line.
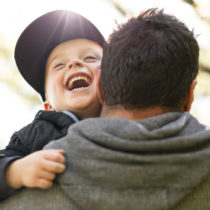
pixel 190 97
pixel 100 95
pixel 47 106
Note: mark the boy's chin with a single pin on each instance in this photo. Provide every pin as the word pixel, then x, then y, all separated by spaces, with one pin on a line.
pixel 87 110
pixel 81 102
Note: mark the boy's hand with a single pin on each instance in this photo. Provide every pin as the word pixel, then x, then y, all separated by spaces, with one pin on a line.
pixel 36 170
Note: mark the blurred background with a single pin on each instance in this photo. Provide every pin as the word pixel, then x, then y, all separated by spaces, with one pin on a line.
pixel 19 102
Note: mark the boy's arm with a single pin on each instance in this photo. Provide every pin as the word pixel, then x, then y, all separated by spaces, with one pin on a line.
pixel 45 127
pixel 5 189
pixel 15 150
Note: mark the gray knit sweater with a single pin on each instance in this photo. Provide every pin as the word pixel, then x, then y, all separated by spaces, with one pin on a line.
pixel 159 163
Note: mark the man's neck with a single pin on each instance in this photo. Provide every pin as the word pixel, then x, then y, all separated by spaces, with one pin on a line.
pixel 130 114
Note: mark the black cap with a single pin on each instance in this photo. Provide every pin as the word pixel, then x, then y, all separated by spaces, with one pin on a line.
pixel 45 33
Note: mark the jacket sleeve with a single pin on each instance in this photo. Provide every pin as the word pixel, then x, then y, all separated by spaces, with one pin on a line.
pixel 14 151
pixel 19 146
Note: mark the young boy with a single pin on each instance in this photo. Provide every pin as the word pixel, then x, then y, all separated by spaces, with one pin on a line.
pixel 59 55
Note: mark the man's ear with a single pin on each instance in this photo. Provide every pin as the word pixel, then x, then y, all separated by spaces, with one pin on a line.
pixel 100 95
pixel 190 96
pixel 47 106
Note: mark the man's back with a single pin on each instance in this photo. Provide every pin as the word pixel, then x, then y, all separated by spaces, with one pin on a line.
pixel 152 164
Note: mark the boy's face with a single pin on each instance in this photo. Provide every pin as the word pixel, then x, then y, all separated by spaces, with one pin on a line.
pixel 72 75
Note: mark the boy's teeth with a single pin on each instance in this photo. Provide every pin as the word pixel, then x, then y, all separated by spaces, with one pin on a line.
pixel 86 79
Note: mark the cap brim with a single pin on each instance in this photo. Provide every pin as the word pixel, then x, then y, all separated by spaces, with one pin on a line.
pixel 42 35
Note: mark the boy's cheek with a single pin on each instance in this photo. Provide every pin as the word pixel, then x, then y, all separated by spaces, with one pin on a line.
pixel 97 65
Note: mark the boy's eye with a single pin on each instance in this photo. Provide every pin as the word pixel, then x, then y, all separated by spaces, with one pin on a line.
pixel 59 66
pixel 90 58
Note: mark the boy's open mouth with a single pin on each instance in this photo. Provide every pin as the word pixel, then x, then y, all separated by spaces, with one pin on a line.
pixel 78 81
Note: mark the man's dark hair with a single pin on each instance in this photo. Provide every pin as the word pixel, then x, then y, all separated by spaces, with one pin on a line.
pixel 149 61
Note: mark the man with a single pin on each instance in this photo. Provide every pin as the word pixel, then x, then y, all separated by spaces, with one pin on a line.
pixel 146 151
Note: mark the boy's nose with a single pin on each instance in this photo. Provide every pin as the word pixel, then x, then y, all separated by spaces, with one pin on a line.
pixel 75 64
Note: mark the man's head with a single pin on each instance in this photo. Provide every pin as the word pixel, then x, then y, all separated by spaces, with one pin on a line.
pixel 72 74
pixel 150 61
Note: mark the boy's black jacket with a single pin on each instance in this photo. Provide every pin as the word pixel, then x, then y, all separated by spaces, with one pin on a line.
pixel 46 126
